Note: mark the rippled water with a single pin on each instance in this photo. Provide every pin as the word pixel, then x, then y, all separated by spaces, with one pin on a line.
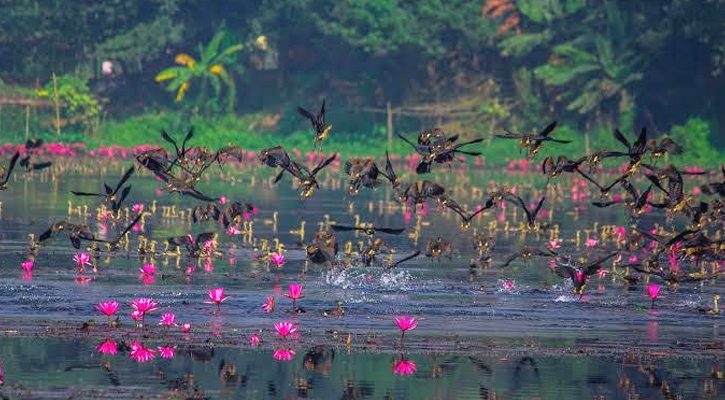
pixel 45 368
pixel 462 311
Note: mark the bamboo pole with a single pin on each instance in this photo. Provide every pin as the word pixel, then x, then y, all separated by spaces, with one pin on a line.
pixel 57 105
pixel 389 110
pixel 27 122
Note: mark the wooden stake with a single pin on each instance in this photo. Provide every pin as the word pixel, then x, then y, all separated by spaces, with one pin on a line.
pixel 57 105
pixel 27 122
pixel 389 111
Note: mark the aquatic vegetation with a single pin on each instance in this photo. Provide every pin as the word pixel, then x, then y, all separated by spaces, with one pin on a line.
pixel 653 291
pixel 216 296
pixel 283 354
pixel 405 324
pixel 140 353
pixel 268 305
pixel 285 329
pixel 107 346
pixel 295 293
pixel 255 340
pixel 82 260
pixel 167 351
pixel 404 367
pixel 108 309
pixel 168 320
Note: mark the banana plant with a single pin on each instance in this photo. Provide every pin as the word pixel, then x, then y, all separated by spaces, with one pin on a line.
pixel 592 69
pixel 211 66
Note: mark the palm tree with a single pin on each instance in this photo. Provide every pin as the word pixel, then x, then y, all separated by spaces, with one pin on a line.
pixel 211 67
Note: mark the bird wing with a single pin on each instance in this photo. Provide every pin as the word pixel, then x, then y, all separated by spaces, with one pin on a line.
pixel 594 266
pixel 620 137
pixel 391 231
pixel 11 166
pixel 408 258
pixel 124 178
pixel 323 164
pixel 549 128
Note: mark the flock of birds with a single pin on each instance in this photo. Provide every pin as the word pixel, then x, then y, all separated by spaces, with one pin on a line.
pixel 182 167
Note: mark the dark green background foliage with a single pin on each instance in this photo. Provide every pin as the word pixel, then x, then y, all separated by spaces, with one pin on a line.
pixel 473 67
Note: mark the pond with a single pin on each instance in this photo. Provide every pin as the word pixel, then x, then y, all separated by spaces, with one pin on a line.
pixel 483 331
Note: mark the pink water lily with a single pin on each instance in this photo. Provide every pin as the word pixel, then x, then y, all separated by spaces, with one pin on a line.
pixel 141 354
pixel 295 293
pixel 404 367
pixel 82 260
pixel 27 266
pixel 285 329
pixel 255 340
pixel 168 320
pixel 186 328
pixel 144 305
pixel 590 242
pixel 216 296
pixel 653 291
pixel 167 351
pixel 405 324
pixel 554 244
pixel 107 346
pixel 147 270
pixel 137 208
pixel 268 305
pixel 277 259
pixel 108 309
pixel 283 354
pixel 507 285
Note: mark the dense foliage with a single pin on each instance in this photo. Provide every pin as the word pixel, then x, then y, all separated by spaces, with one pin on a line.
pixel 471 66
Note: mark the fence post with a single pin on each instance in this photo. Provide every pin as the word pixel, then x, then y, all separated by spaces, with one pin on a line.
pixel 57 105
pixel 27 122
pixel 389 111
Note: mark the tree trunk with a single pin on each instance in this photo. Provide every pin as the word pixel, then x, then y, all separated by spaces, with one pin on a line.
pixel 389 111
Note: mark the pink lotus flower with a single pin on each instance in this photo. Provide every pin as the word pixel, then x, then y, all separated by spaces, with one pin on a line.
pixel 81 260
pixel 144 305
pixel 141 354
pixel 168 320
pixel 283 354
pixel 653 291
pixel 602 273
pixel 405 324
pixel 216 296
pixel 295 293
pixel 27 266
pixel 277 259
pixel 507 285
pixel 590 242
pixel 233 230
pixel 107 346
pixel 167 351
pixel 147 270
pixel 186 328
pixel 108 309
pixel 404 367
pixel 268 305
pixel 137 208
pixel 255 340
pixel 633 259
pixel 222 200
pixel 137 316
pixel 554 244
pixel 285 329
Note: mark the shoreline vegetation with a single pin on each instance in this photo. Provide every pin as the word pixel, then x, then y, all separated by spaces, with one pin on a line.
pixel 141 131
